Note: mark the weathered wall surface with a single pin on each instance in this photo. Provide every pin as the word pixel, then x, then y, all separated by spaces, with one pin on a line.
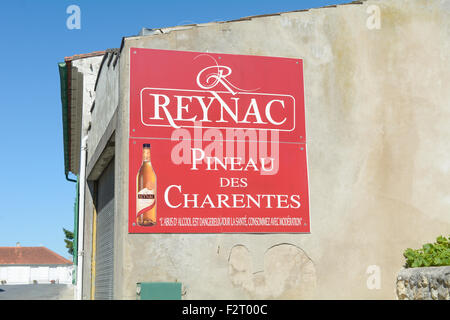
pixel 106 102
pixel 424 284
pixel 87 70
pixel 89 67
pixel 377 115
pixel 83 76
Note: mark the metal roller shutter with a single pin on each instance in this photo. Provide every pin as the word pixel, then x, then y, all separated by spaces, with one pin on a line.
pixel 105 235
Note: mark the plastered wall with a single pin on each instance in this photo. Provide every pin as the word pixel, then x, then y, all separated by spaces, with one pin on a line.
pixel 377 117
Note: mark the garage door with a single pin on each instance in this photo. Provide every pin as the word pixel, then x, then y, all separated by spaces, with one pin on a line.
pixel 18 275
pixel 105 235
pixel 39 274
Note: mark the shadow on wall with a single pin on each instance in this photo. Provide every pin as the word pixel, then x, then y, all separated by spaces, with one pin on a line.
pixel 288 273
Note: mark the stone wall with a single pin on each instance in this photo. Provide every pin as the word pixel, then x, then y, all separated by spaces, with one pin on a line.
pixel 431 283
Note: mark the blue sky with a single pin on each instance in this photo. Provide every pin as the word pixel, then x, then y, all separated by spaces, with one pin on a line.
pixel 36 201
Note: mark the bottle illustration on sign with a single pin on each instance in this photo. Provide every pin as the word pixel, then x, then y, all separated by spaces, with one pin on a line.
pixel 146 190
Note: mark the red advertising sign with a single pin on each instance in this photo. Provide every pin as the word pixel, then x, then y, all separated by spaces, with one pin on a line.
pixel 217 143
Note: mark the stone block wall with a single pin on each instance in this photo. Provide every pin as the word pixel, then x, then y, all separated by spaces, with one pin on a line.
pixel 432 283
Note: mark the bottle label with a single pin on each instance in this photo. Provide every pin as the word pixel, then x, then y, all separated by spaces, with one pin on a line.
pixel 145 200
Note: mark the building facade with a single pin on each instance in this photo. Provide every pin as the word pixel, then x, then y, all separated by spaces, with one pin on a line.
pixel 31 265
pixel 377 105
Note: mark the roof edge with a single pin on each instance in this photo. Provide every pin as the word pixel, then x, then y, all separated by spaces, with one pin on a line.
pixel 84 55
pixel 63 70
pixel 184 27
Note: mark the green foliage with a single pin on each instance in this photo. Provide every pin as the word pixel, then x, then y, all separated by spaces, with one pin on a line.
pixel 430 255
pixel 69 240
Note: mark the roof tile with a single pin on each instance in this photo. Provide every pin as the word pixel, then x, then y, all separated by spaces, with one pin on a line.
pixel 30 255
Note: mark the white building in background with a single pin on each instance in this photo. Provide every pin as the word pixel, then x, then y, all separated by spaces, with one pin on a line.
pixel 25 265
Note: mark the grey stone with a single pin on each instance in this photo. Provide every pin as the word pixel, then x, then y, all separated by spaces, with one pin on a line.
pixel 424 283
